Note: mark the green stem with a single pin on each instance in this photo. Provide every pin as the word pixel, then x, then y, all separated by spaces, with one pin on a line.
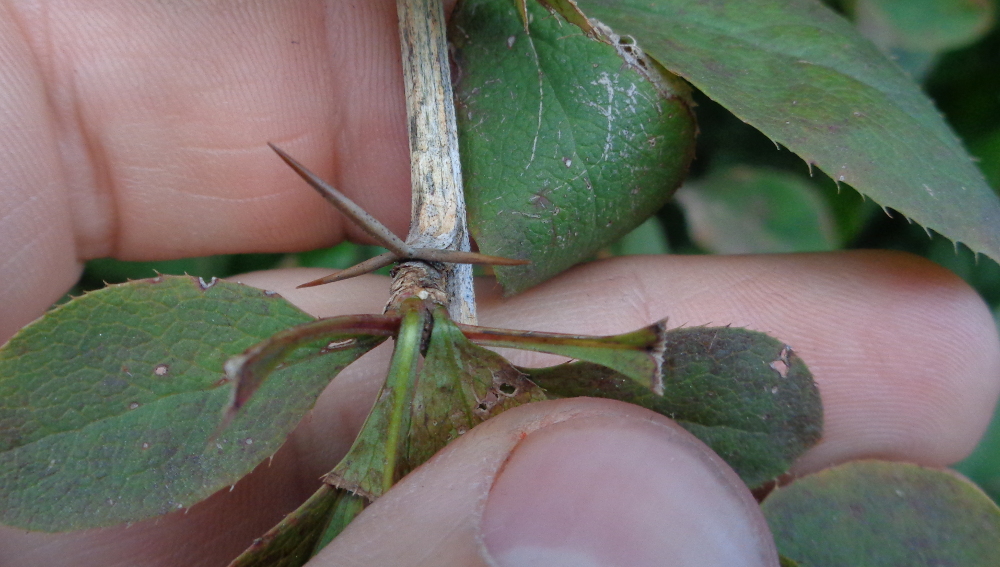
pixel 347 507
pixel 400 385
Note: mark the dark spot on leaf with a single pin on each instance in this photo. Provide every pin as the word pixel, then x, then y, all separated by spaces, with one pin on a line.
pixel 507 389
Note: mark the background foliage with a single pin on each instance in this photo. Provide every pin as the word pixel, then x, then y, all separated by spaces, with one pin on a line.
pixel 741 181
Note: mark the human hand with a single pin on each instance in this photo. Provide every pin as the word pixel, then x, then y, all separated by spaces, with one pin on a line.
pixel 905 355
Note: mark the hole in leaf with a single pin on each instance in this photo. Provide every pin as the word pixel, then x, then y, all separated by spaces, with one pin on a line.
pixel 781 367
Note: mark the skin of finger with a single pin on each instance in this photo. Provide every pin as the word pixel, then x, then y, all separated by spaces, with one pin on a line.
pixel 215 531
pixel 209 534
pixel 827 306
pixel 326 434
pixel 138 130
pixel 434 515
pixel 37 261
pixel 905 354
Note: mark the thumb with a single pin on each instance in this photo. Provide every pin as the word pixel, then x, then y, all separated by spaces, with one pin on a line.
pixel 579 482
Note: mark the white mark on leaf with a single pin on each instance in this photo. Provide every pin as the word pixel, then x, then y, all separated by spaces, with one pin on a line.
pixel 161 370
pixel 337 345
pixel 608 113
pixel 205 285
pixel 541 105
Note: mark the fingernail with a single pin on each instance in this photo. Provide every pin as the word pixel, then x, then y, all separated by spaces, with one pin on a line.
pixel 613 492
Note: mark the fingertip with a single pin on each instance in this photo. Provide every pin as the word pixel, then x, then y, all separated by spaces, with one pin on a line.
pixel 363 294
pixel 614 491
pixel 569 482
pixel 905 353
pixel 918 368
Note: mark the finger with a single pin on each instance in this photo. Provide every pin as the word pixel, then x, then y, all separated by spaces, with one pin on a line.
pixel 38 262
pixel 569 482
pixel 209 534
pixel 213 532
pixel 139 130
pixel 905 354
pixel 327 433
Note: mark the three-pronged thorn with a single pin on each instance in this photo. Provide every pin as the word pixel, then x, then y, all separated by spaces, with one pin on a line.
pixel 398 250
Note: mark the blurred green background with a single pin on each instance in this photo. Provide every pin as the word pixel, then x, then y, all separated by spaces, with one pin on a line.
pixel 745 195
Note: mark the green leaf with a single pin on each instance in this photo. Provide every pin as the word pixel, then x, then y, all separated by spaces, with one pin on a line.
pixel 805 78
pixel 987 149
pixel 567 143
pixel 637 355
pixel 923 25
pixel 647 239
pixel 109 403
pixel 460 386
pixel 914 32
pixel 884 514
pixel 102 271
pixel 340 257
pixel 308 341
pixel 746 210
pixel 743 393
pixel 292 542
pixel 983 465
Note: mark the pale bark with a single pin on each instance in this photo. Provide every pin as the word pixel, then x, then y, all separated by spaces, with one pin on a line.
pixel 438 218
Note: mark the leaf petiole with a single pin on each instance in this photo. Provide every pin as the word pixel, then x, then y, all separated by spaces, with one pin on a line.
pixel 400 384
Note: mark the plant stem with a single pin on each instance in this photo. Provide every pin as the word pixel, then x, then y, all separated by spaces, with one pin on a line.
pixel 438 205
pixel 400 384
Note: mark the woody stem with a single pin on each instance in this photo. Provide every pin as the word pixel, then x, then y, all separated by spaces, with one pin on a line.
pixel 438 205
